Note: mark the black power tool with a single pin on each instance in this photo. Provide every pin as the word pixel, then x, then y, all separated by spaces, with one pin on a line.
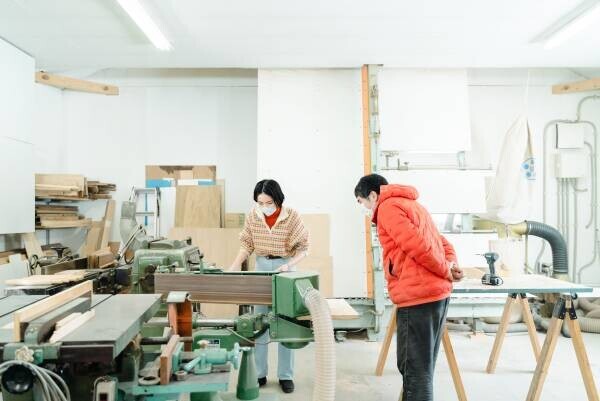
pixel 491 278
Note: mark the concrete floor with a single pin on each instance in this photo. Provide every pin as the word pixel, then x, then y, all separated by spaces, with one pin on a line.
pixel 356 361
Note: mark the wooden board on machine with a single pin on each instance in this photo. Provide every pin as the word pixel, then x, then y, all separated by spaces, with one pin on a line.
pixel 198 206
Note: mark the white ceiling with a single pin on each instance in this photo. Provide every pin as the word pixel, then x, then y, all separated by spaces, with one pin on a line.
pixel 78 34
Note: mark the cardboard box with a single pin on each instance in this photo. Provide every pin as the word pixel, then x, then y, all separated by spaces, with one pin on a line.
pixel 235 220
pixel 181 172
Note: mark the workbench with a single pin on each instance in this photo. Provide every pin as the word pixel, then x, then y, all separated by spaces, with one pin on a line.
pixel 516 288
pixel 117 319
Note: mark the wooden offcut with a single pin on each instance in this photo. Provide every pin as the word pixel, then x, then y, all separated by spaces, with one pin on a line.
pixel 217 288
pixel 166 360
pixel 101 259
pixel 198 206
pixel 83 223
pixel 80 85
pixel 575 87
pixel 70 326
pixel 46 305
pixel 92 241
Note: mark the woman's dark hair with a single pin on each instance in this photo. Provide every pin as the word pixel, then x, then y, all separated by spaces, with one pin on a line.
pixel 271 188
pixel 368 183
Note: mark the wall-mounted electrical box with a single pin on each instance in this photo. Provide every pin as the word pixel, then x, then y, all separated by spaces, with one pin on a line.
pixel 571 163
pixel 570 135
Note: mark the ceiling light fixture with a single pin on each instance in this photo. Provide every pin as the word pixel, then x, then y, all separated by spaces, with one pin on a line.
pixel 574 22
pixel 139 15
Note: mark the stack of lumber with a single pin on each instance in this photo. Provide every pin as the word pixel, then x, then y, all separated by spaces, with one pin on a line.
pixel 59 216
pixel 100 190
pixel 60 186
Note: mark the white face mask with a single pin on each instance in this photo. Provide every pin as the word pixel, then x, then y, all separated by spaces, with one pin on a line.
pixel 268 210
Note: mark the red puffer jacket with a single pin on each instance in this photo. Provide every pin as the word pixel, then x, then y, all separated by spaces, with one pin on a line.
pixel 415 254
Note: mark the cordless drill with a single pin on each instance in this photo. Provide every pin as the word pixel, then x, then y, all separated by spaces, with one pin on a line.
pixel 491 278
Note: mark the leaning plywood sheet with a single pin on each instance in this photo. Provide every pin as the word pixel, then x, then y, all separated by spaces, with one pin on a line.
pixel 318 233
pixel 219 245
pixel 324 267
pixel 198 206
pixel 109 215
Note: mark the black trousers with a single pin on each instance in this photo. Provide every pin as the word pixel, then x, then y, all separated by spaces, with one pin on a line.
pixel 419 333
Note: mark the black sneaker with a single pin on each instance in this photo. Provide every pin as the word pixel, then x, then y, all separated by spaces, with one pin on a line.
pixel 287 386
pixel 262 381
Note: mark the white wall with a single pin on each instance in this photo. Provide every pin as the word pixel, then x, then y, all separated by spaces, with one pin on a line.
pixel 310 140
pixel 496 98
pixel 16 141
pixel 164 117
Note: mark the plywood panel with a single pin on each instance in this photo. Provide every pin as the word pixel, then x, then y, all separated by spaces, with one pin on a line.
pixel 318 232
pixel 323 266
pixel 219 245
pixel 198 206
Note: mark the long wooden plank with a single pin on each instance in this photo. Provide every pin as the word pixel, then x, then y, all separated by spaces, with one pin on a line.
pixel 80 85
pixel 65 224
pixel 579 86
pixel 367 169
pixel 46 279
pixel 166 360
pixel 109 215
pixel 48 304
pixel 582 359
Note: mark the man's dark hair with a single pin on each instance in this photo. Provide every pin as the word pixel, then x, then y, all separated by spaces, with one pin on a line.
pixel 271 188
pixel 368 183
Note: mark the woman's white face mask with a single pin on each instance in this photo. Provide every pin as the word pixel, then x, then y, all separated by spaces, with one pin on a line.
pixel 268 210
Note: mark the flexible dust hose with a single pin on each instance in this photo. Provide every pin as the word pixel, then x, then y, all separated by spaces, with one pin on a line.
pixel 560 266
pixel 324 389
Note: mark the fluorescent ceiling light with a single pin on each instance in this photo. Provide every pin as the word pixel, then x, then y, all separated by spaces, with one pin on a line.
pixel 576 21
pixel 145 23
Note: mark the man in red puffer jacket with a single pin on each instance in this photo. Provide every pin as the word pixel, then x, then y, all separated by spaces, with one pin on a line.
pixel 419 265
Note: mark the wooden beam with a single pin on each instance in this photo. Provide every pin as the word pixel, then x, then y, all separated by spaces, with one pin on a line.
pixel 579 86
pixel 46 305
pixel 75 84
pixel 367 170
